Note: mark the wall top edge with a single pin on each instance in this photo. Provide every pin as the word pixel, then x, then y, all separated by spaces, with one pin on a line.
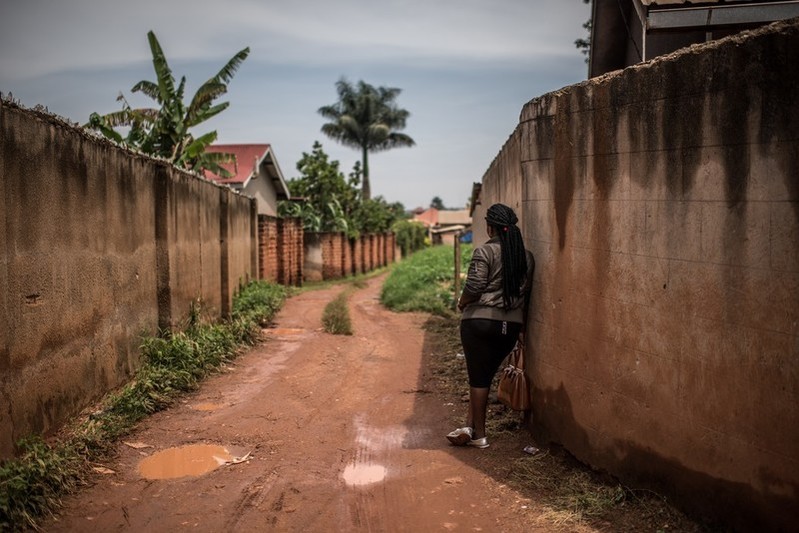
pixel 42 114
pixel 546 104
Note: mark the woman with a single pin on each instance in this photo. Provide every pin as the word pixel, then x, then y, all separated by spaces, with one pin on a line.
pixel 494 304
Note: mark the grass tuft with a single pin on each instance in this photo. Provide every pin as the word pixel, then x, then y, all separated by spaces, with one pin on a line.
pixel 336 316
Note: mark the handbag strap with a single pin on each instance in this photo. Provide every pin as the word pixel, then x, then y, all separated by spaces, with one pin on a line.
pixel 518 361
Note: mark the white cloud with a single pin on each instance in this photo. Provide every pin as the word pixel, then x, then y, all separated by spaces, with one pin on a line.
pixel 38 37
pixel 466 68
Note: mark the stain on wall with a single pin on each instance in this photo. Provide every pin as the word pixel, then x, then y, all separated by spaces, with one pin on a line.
pixel 662 202
pixel 99 247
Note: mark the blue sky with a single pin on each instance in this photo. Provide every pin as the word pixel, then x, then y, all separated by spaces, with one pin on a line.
pixel 465 68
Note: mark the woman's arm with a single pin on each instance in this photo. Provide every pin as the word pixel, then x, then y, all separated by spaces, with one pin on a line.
pixel 476 279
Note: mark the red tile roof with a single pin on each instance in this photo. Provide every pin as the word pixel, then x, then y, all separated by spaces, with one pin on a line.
pixel 247 157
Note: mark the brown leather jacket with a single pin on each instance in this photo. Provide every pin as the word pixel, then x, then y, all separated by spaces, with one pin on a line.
pixel 482 292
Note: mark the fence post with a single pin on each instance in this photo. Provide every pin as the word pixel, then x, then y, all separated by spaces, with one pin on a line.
pixel 457 265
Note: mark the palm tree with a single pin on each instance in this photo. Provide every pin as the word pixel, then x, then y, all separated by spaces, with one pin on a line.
pixel 366 118
pixel 164 131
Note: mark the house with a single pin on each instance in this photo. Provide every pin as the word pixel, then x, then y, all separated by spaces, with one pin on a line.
pixel 444 225
pixel 255 174
pixel 626 32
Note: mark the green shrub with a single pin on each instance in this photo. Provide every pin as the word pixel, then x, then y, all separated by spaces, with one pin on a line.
pixel 424 281
pixel 31 485
pixel 410 236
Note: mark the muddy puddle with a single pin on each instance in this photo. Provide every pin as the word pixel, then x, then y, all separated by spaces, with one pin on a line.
pixel 191 460
pixel 207 406
pixel 357 474
pixel 283 331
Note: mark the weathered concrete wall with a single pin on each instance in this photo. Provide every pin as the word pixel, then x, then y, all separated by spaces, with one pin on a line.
pixel 662 205
pixel 312 266
pixel 194 216
pixel 242 221
pixel 98 247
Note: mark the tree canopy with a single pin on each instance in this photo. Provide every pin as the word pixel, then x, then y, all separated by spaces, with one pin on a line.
pixel 584 43
pixel 437 203
pixel 164 131
pixel 333 202
pixel 366 118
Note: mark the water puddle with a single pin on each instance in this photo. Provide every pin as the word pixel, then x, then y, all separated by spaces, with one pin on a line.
pixel 191 460
pixel 283 331
pixel 207 406
pixel 363 474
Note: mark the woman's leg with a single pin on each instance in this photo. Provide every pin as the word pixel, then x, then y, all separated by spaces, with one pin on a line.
pixel 478 404
pixel 486 343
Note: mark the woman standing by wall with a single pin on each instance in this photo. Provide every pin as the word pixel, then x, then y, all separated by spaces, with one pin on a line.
pixel 494 304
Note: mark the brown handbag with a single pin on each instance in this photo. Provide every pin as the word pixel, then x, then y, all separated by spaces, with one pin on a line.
pixel 514 389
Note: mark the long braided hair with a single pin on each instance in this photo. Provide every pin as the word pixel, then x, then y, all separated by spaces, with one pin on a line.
pixel 514 257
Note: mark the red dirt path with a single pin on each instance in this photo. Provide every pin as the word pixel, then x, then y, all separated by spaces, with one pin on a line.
pixel 316 411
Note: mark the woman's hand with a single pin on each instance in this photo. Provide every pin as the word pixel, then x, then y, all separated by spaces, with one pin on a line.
pixel 466 299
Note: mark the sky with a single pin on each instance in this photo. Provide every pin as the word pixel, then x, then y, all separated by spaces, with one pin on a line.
pixel 466 68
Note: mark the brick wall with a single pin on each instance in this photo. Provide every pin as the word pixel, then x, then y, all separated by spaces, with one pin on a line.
pixel 333 255
pixel 280 249
pixel 346 256
pixel 357 256
pixel 368 252
pixel 291 249
pixel 268 248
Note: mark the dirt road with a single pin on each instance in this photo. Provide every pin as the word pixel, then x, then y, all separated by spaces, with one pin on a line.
pixel 344 434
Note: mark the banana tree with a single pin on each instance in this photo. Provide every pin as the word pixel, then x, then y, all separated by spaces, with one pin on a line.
pixel 165 131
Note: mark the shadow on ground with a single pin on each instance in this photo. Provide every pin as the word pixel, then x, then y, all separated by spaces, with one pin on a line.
pixel 570 495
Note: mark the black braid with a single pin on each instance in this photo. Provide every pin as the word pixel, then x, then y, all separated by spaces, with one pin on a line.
pixel 514 256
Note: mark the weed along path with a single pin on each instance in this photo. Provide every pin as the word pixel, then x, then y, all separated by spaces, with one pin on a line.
pixel 309 432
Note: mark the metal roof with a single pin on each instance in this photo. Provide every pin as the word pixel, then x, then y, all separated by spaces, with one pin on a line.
pixel 707 14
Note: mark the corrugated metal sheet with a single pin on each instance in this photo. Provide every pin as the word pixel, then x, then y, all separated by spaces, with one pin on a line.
pixel 676 2
pixel 696 3
pixel 708 15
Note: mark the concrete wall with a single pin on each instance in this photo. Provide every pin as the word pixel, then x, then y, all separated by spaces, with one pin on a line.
pixel 662 206
pixel 98 247
pixel 312 266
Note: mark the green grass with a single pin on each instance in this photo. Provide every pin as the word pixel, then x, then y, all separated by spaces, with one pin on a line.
pixel 336 316
pixel 425 281
pixel 32 483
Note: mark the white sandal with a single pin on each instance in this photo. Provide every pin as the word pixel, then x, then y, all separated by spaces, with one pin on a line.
pixel 461 436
